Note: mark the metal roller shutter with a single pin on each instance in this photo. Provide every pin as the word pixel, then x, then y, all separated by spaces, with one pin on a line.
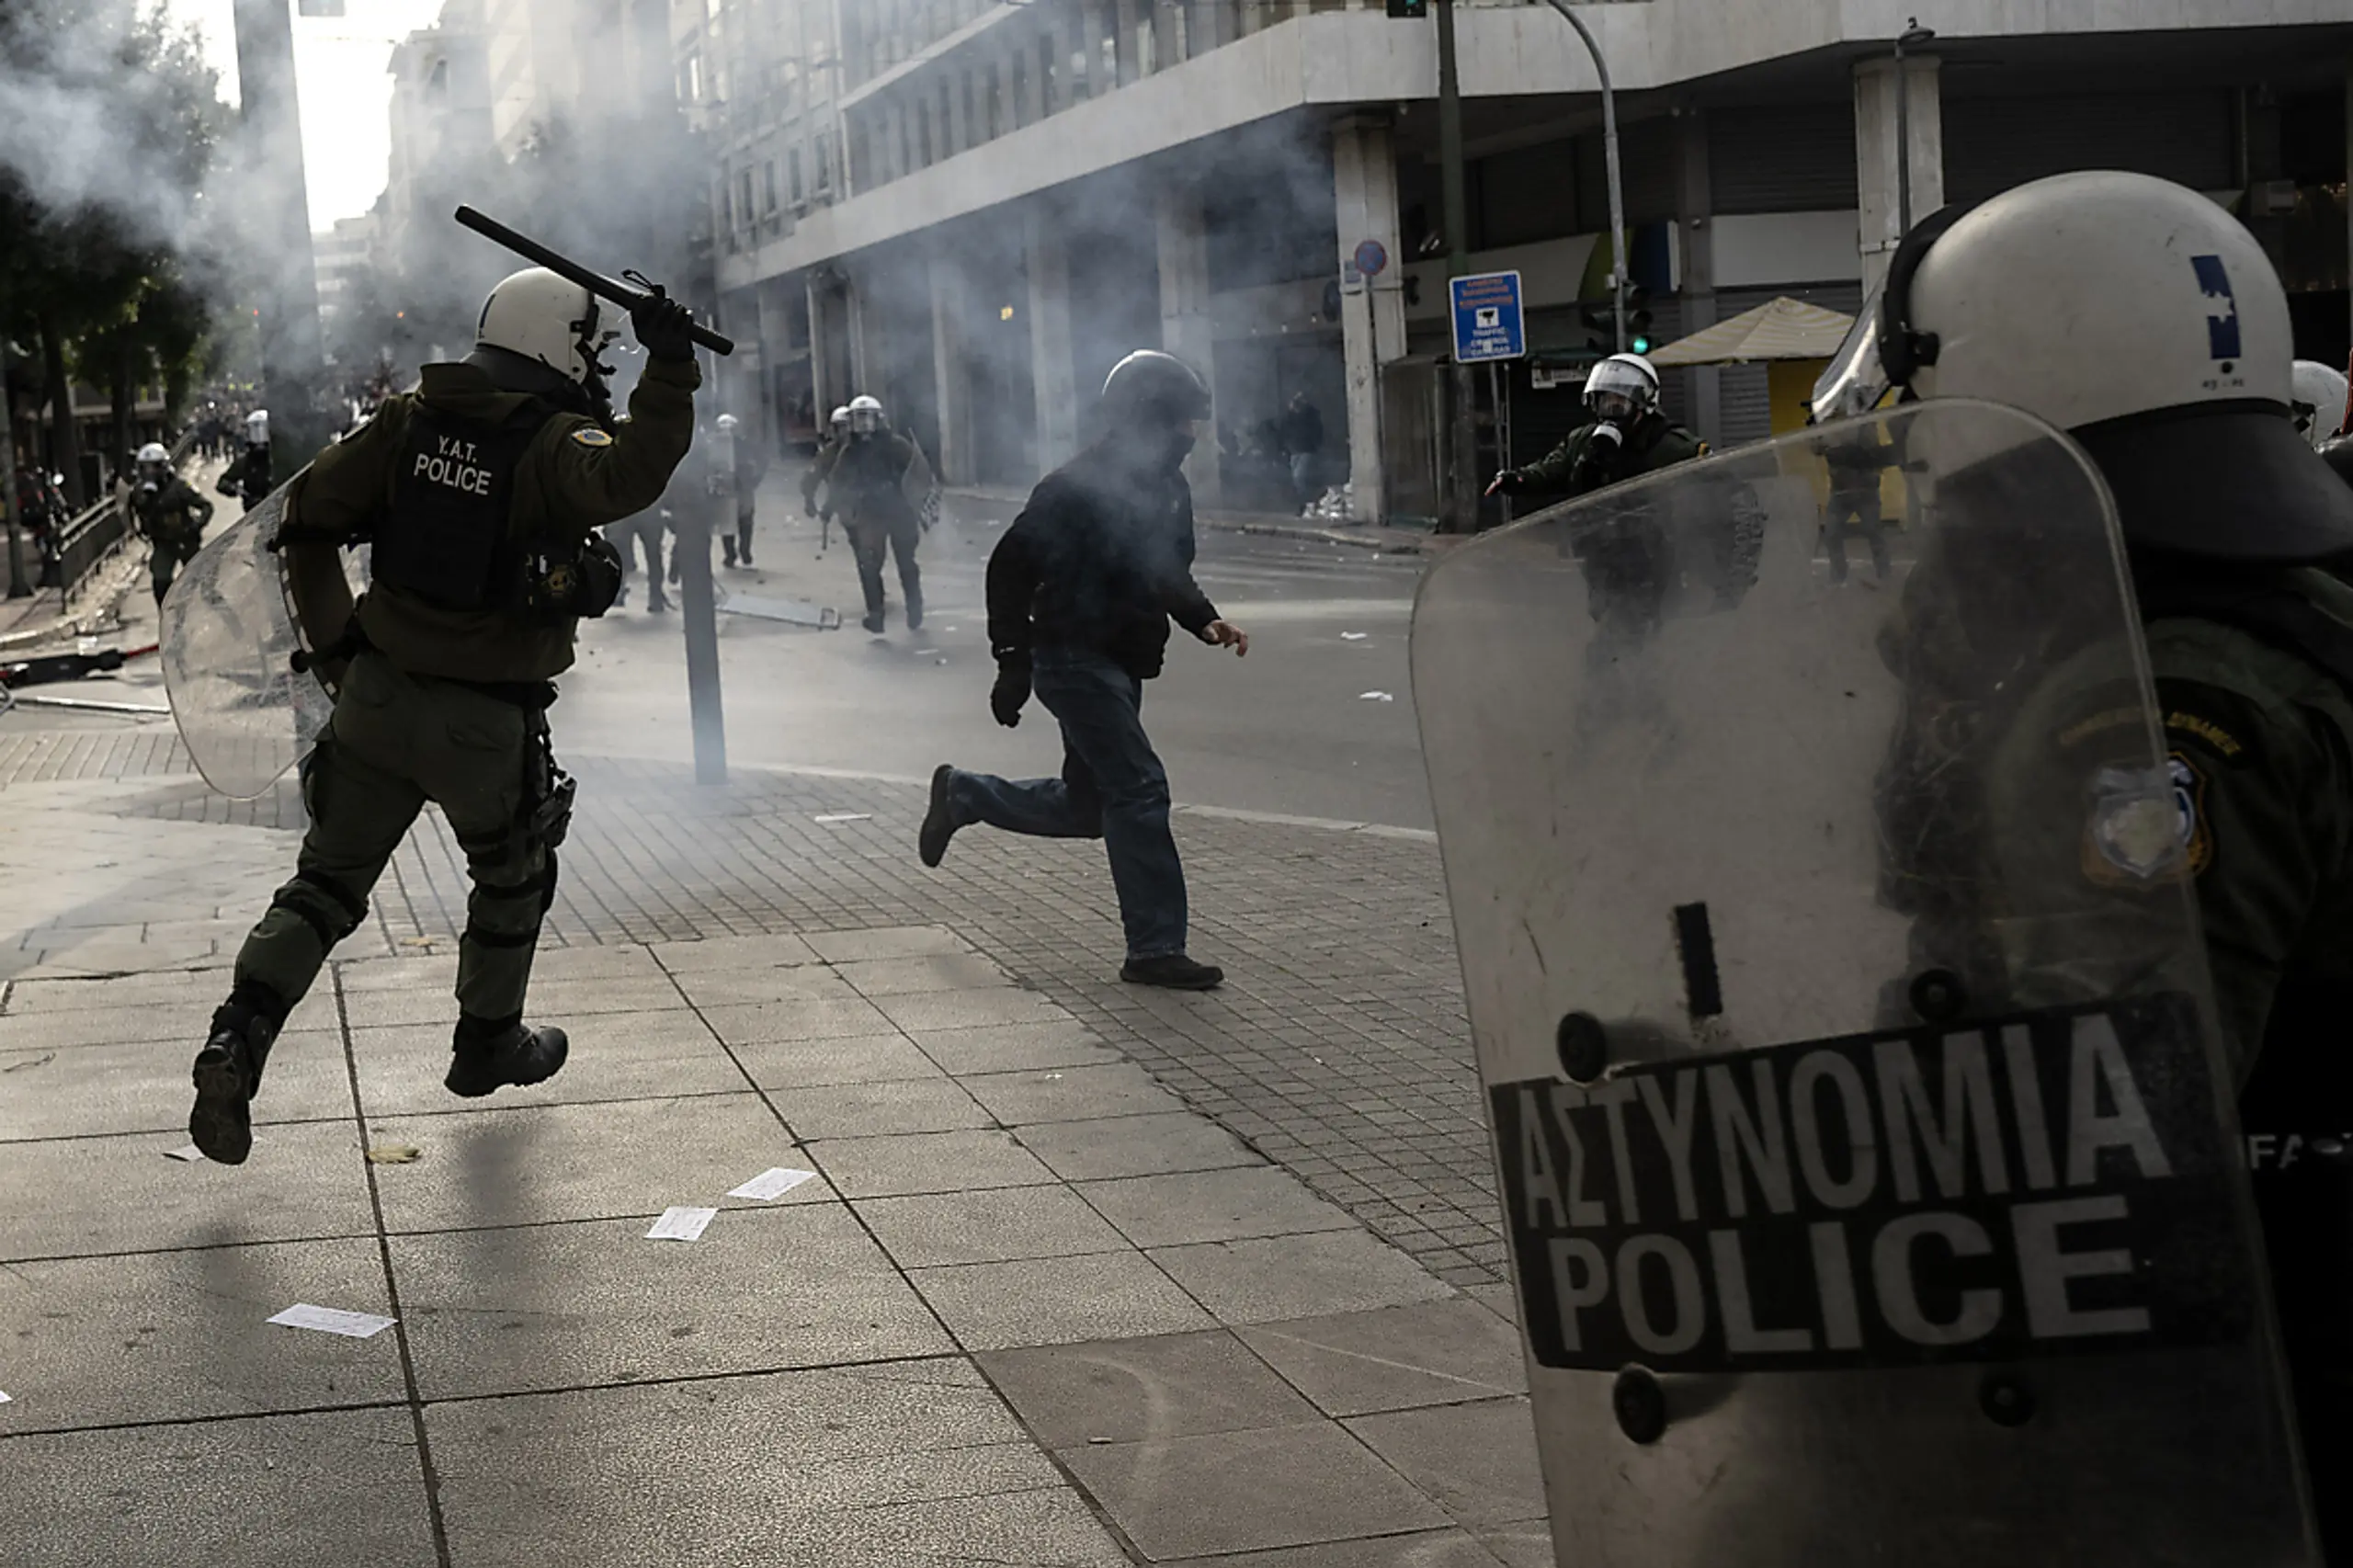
pixel 1992 144
pixel 1793 158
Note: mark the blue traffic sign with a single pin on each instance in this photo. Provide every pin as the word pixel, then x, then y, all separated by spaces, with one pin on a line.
pixel 1487 322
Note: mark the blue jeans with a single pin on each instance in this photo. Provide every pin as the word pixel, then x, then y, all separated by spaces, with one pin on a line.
pixel 1112 788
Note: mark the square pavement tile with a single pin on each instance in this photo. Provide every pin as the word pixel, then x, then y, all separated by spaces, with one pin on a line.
pixel 531 1164
pixel 885 942
pixel 1212 1206
pixel 747 1023
pixel 130 1088
pixel 180 1336
pixel 732 952
pixel 1421 1549
pixel 993 1227
pixel 1356 1363
pixel 863 1110
pixel 558 1306
pixel 561 999
pixel 1013 1048
pixel 436 972
pixel 1528 1544
pixel 932 971
pixel 970 1009
pixel 277 1492
pixel 1293 1276
pixel 1057 1300
pixel 168 988
pixel 906 1162
pixel 589 1476
pixel 772 983
pixel 1121 1391
pixel 1135 1146
pixel 178 1023
pixel 1071 1094
pixel 1478 1461
pixel 851 1059
pixel 614 1056
pixel 594 961
pixel 87 1197
pixel 1227 1491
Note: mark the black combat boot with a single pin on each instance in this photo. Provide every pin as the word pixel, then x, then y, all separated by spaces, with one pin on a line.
pixel 915 611
pixel 490 1052
pixel 874 621
pixel 727 544
pixel 228 1074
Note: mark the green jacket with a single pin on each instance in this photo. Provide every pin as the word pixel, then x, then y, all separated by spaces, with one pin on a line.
pixel 572 478
pixel 173 517
pixel 1655 442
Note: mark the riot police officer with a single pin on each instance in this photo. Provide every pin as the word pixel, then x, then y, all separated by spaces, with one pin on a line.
pixel 2175 376
pixel 1625 434
pixel 2318 398
pixel 480 492
pixel 247 476
pixel 1081 590
pixel 881 487
pixel 168 514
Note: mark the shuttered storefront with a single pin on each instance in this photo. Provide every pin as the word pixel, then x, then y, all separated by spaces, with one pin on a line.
pixel 1782 158
pixel 1992 144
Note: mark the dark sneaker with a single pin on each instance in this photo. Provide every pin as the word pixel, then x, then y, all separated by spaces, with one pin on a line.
pixel 227 1075
pixel 654 603
pixel 873 621
pixel 1173 970
pixel 940 825
pixel 518 1056
pixel 915 614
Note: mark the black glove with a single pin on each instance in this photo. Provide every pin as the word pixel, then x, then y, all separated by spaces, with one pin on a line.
pixel 1012 689
pixel 1511 482
pixel 662 325
pixel 808 507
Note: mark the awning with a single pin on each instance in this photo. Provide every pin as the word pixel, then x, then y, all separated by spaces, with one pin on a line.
pixel 1778 329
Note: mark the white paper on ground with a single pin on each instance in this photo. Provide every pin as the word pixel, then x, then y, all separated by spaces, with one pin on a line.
pixel 1375 697
pixel 681 1224
pixel 332 1320
pixel 771 1184
pixel 190 1153
pixel 844 816
pixel 1354 636
pixel 4 1398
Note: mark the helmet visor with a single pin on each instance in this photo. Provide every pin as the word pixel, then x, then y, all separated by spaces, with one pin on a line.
pixel 865 421
pixel 1855 380
pixel 1611 403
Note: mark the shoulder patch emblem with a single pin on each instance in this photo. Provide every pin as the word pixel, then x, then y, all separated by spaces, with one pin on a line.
pixel 590 436
pixel 2137 832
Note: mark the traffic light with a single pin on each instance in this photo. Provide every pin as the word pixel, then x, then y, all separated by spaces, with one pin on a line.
pixel 1638 320
pixel 1409 10
pixel 1601 318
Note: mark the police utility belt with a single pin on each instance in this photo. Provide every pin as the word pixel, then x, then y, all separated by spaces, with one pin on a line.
pixel 447 535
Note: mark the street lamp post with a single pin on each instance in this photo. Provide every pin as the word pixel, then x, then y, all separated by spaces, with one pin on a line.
pixel 1609 157
pixel 1915 35
pixel 17 587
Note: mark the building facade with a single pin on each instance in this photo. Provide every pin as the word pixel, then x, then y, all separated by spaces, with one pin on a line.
pixel 971 207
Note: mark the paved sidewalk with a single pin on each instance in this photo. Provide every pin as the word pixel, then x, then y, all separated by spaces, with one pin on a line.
pixel 1286 524
pixel 1030 1308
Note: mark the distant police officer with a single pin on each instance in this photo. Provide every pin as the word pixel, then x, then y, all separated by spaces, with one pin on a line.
pixel 881 487
pixel 2174 375
pixel 480 492
pixel 168 514
pixel 750 463
pixel 2317 397
pixel 1081 590
pixel 829 448
pixel 247 476
pixel 1624 434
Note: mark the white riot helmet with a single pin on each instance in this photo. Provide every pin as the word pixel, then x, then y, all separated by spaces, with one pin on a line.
pixel 2137 316
pixel 2316 397
pixel 257 427
pixel 865 414
pixel 546 318
pixel 152 452
pixel 726 421
pixel 1621 388
pixel 839 423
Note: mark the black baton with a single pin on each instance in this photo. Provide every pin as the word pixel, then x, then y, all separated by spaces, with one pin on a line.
pixel 597 283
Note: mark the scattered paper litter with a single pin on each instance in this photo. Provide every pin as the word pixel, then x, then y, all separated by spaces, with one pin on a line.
pixel 189 1151
pixel 844 816
pixel 1375 697
pixel 1354 636
pixel 4 1399
pixel 925 652
pixel 681 1224
pixel 392 1153
pixel 773 1184
pixel 332 1320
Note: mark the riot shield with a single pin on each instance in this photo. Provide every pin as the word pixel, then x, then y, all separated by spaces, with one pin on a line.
pixel 228 636
pixel 1870 1167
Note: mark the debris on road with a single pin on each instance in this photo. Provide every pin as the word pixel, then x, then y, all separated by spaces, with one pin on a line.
pixel 188 1154
pixel 393 1154
pixel 1376 696
pixel 332 1320
pixel 773 1184
pixel 1354 636
pixel 793 612
pixel 843 816
pixel 680 1223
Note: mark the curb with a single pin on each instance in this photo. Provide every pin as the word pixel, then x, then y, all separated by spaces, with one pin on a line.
pixel 106 607
pixel 1386 542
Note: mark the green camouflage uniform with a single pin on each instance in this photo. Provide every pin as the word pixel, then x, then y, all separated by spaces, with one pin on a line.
pixel 447 705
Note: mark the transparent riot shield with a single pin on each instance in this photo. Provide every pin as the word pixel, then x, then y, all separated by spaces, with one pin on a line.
pixel 228 637
pixel 1869 1161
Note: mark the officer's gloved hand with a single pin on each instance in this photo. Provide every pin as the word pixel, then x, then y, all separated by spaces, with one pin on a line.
pixel 1510 481
pixel 663 326
pixel 1012 689
pixel 808 507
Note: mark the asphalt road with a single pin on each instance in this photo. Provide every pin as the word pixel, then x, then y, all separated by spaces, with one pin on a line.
pixel 1288 730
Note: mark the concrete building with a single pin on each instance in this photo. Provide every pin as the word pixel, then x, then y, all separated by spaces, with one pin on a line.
pixel 555 60
pixel 440 121
pixel 997 200
pixel 343 255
